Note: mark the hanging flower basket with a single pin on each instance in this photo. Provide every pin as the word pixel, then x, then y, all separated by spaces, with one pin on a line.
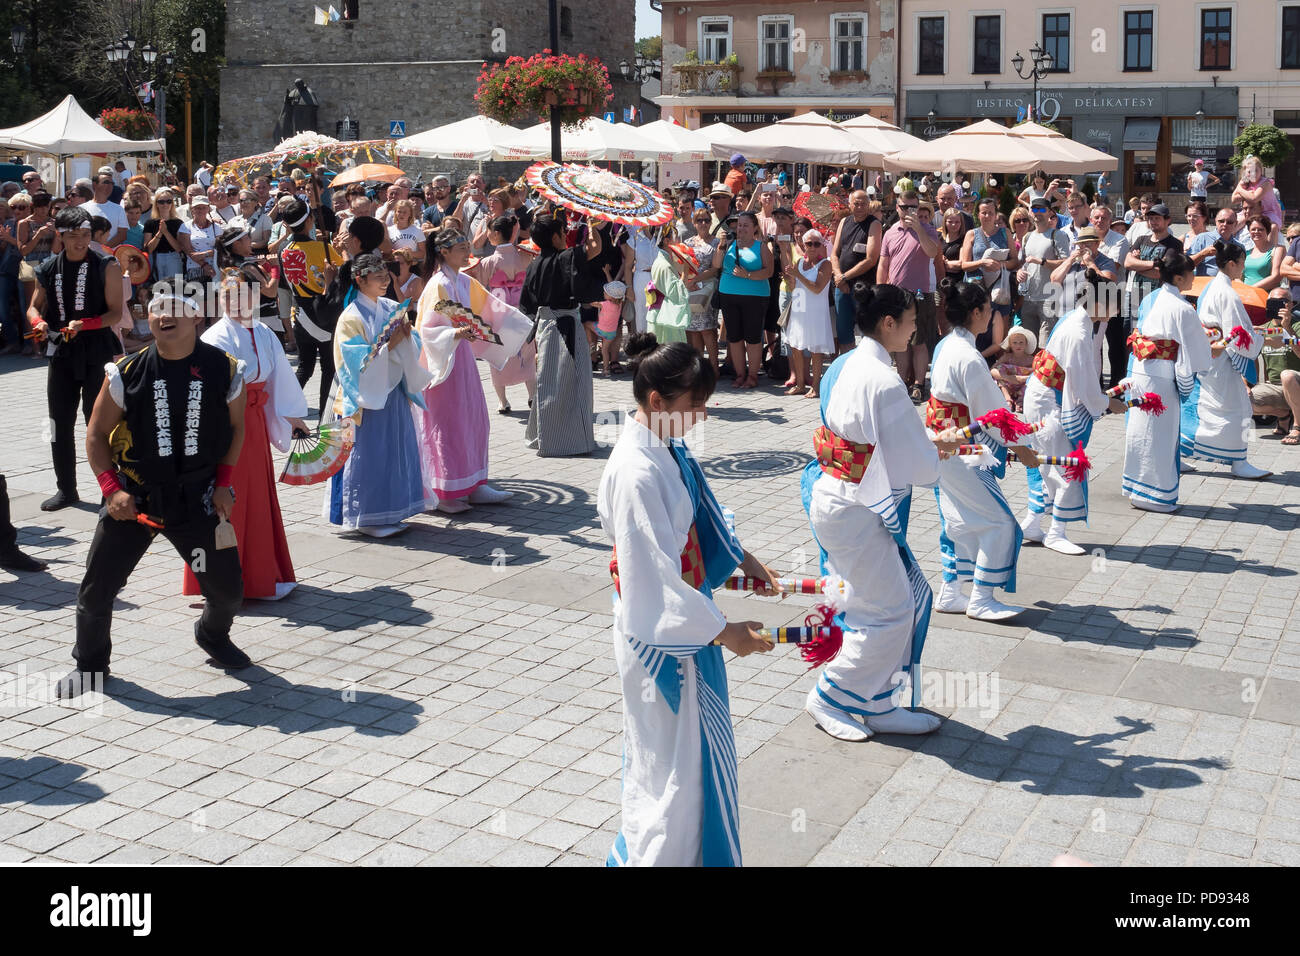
pixel 130 123
pixel 574 87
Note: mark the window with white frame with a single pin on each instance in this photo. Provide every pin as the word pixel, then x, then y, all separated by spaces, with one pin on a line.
pixel 930 56
pixel 849 36
pixel 774 43
pixel 715 39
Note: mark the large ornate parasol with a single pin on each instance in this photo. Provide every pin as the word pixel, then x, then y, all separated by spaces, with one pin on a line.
pixel 824 210
pixel 308 151
pixel 599 194
pixel 1255 300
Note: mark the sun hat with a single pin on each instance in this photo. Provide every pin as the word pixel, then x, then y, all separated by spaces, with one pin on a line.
pixel 1031 340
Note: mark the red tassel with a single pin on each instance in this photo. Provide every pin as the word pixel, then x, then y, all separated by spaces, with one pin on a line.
pixel 1153 403
pixel 1006 423
pixel 822 650
pixel 1079 471
pixel 1240 337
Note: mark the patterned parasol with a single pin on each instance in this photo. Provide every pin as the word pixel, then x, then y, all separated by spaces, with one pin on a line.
pixel 1254 299
pixel 824 211
pixel 330 156
pixel 599 193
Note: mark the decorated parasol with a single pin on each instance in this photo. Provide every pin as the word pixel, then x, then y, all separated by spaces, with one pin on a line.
pixel 824 211
pixel 1255 300
pixel 599 194
pixel 134 263
pixel 308 152
pixel 368 173
pixel 317 458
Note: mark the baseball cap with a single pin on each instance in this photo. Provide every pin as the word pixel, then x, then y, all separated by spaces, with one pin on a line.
pixel 199 201
pixel 737 159
pixel 1200 162
pixel 1037 204
pixel 1159 209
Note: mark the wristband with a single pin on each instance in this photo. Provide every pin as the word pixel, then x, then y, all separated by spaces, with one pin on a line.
pixel 225 475
pixel 95 322
pixel 108 483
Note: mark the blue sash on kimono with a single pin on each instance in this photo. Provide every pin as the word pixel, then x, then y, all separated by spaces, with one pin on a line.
pixel 722 554
pixel 894 513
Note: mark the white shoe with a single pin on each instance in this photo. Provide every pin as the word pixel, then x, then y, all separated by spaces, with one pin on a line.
pixel 1185 466
pixel 1031 526
pixel 985 607
pixel 1142 504
pixel 1058 542
pixel 1244 469
pixel 835 722
pixel 902 721
pixel 383 530
pixel 951 600
pixel 485 494
pixel 452 506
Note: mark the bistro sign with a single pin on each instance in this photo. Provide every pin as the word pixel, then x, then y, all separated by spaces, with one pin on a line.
pixel 1088 101
pixel 737 118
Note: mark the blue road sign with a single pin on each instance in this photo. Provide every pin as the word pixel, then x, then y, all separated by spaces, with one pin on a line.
pixel 396 129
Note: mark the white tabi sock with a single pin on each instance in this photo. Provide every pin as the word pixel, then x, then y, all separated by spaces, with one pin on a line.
pixel 835 722
pixel 985 607
pixel 1244 469
pixel 1031 526
pixel 950 599
pixel 902 721
pixel 1058 541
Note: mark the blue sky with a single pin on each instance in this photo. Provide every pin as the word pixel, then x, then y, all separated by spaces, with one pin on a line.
pixel 647 21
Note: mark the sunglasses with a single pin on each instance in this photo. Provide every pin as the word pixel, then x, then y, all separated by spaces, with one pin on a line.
pixel 165 202
pixel 817 244
pixel 905 206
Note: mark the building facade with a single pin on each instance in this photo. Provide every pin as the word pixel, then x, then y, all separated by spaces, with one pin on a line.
pixel 752 64
pixel 414 62
pixel 1157 85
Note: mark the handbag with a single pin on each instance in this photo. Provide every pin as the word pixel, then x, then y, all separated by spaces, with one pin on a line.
pixel 1000 291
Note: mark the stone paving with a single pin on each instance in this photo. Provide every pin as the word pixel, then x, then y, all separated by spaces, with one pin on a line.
pixel 449 696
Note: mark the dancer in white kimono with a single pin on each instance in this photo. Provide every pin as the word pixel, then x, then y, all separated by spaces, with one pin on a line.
pixel 979 539
pixel 870 450
pixel 1170 349
pixel 1216 416
pixel 1064 394
pixel 671 547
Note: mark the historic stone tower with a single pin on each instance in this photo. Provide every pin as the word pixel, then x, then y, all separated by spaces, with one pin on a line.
pixel 416 61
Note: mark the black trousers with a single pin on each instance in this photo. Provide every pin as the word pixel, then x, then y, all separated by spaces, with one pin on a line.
pixel 1117 330
pixel 64 393
pixel 8 533
pixel 308 350
pixel 118 547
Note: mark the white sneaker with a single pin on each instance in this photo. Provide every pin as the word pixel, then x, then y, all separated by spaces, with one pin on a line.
pixel 1142 504
pixel 985 607
pixel 383 530
pixel 902 721
pixel 452 506
pixel 835 722
pixel 951 600
pixel 1056 540
pixel 1244 469
pixel 1031 526
pixel 485 494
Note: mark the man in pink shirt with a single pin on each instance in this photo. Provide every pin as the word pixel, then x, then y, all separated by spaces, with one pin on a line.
pixel 906 260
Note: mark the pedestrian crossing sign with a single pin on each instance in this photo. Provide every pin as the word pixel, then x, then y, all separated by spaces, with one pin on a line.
pixel 397 129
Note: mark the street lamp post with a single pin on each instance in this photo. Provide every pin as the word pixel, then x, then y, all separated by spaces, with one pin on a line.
pixel 1041 65
pixel 557 150
pixel 643 69
pixel 151 65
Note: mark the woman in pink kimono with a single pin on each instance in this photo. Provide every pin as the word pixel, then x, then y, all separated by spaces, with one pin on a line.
pixel 502 272
pixel 453 427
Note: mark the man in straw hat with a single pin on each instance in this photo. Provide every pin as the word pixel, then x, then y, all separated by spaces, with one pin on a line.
pixel 163 442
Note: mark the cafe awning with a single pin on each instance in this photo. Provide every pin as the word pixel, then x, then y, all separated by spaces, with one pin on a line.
pixel 1142 133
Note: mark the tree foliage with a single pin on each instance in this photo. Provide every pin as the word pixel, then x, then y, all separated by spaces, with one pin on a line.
pixel 652 47
pixel 1269 143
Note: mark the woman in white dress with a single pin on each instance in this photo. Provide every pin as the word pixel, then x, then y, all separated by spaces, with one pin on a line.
pixel 979 539
pixel 810 328
pixel 672 545
pixel 1216 416
pixel 870 450
pixel 1170 349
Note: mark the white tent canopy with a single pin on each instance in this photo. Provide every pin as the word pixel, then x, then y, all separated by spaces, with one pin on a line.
pixel 1069 156
pixel 716 132
pixel 687 145
pixel 595 140
pixel 68 130
pixel 878 138
pixel 805 138
pixel 475 138
pixel 985 147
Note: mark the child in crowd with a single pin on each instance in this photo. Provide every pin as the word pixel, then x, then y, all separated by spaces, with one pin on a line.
pixel 607 323
pixel 1016 366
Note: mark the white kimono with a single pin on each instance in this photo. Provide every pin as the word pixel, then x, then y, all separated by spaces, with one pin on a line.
pixel 979 538
pixel 1216 416
pixel 1151 441
pixel 1069 413
pixel 264 361
pixel 860 526
pixel 679 757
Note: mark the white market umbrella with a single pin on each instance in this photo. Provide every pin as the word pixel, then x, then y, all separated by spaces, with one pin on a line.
pixel 986 147
pixel 475 138
pixel 879 138
pixel 1078 158
pixel 595 140
pixel 687 145
pixel 805 138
